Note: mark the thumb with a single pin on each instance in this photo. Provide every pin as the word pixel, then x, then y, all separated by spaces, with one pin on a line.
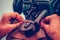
pixel 15 25
pixel 8 28
pixel 44 26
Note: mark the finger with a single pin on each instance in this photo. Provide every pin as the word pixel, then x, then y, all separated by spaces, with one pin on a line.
pixel 27 20
pixel 10 27
pixel 44 25
pixel 50 17
pixel 17 16
pixel 46 22
pixel 8 16
pixel 16 24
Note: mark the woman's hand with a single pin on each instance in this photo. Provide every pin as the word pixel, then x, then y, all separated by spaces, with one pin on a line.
pixel 5 24
pixel 53 26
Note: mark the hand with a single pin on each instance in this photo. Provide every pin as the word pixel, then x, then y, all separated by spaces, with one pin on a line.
pixel 53 27
pixel 5 24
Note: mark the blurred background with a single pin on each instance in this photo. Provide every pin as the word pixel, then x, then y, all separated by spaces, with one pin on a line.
pixel 5 6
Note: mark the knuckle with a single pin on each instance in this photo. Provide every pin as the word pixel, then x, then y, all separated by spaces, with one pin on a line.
pixel 4 14
pixel 55 15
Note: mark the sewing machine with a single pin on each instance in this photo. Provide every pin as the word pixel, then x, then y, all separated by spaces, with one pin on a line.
pixel 35 11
